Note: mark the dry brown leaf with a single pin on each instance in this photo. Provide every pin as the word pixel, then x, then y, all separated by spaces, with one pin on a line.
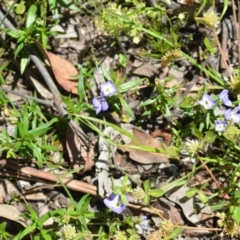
pixel 64 72
pixel 6 188
pixel 77 153
pixel 11 213
pixel 142 156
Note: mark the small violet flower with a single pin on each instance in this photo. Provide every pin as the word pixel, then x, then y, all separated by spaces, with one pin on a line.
pixel 232 114
pixel 115 203
pixel 207 102
pixel 142 224
pixel 220 126
pixel 55 16
pixel 108 88
pixel 224 98
pixel 100 104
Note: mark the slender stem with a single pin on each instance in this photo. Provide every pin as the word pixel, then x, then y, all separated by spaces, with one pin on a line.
pixel 222 54
pixel 237 26
pixel 44 102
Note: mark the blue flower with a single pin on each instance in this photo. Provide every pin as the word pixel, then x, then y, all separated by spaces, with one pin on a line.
pixel 220 126
pixel 56 16
pixel 108 89
pixel 115 203
pixel 232 115
pixel 224 98
pixel 207 102
pixel 142 224
pixel 100 104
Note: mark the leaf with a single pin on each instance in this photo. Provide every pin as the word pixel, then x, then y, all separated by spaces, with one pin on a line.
pixel 24 62
pixel 210 137
pixel 175 233
pixel 123 60
pixel 64 72
pixel 81 89
pixel 197 133
pixel 235 213
pixel 126 107
pixel 106 74
pixel 219 206
pixel 236 197
pixel 41 129
pixel 124 198
pixel 187 102
pixel 156 192
pixel 146 185
pixel 129 85
pixel 19 48
pixel 11 213
pixel 146 199
pixel 203 198
pixel 225 7
pixel 191 192
pixel 31 16
pixel 68 4
pixel 136 149
pixel 147 102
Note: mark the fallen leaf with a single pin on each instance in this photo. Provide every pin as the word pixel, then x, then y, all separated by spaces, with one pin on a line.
pixel 141 156
pixel 6 189
pixel 189 205
pixel 79 157
pixel 11 213
pixel 64 72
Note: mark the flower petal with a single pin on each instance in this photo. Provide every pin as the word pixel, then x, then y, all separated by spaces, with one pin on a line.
pixel 224 98
pixel 227 114
pixel 104 105
pixel 235 110
pixel 96 103
pixel 100 104
pixel 220 126
pixel 207 102
pixel 236 118
pixel 114 203
pixel 108 88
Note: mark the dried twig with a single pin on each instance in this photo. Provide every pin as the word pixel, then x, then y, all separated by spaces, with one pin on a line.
pixel 41 101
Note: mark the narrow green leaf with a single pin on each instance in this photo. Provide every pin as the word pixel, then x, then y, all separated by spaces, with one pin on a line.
pixel 203 198
pixel 191 192
pixel 225 7
pixel 126 107
pixel 125 180
pixel 68 4
pixel 41 129
pixel 203 4
pixel 11 33
pixel 23 62
pixel 147 102
pixel 31 16
pixel 106 74
pixel 81 89
pixel 19 48
pixel 146 185
pixel 49 148
pixel 129 85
